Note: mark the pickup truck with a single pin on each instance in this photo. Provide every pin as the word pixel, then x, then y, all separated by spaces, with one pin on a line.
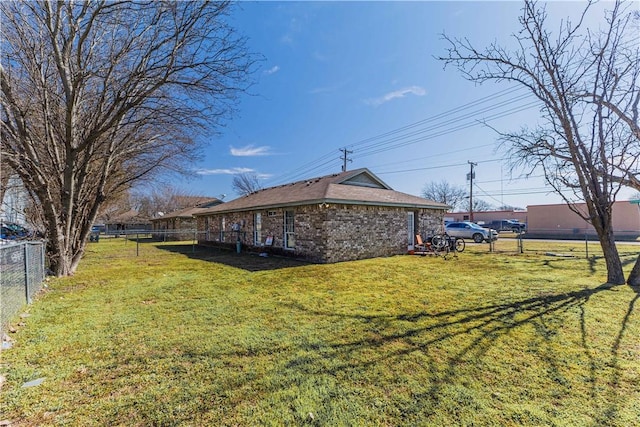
pixel 506 225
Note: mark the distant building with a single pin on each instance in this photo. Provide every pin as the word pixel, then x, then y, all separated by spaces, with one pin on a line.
pixel 558 221
pixel 549 221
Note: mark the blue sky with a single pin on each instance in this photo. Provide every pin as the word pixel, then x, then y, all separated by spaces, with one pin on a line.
pixel 343 74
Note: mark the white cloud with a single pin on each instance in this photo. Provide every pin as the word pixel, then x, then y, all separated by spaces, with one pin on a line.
pixel 401 93
pixel 320 57
pixel 286 39
pixel 329 89
pixel 250 150
pixel 230 171
pixel 272 70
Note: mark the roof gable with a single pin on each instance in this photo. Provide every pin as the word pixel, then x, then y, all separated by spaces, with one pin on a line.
pixel 363 178
pixel 353 187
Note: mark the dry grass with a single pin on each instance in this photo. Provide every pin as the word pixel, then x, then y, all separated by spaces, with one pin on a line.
pixel 179 338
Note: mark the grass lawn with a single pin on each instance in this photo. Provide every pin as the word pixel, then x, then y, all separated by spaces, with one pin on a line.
pixel 173 337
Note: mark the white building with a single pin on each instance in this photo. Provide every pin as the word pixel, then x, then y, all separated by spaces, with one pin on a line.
pixel 14 202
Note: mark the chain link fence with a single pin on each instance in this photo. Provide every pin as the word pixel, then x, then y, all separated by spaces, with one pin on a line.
pixel 577 245
pixel 22 273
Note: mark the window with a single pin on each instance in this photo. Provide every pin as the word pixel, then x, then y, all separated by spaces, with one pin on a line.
pixel 257 228
pixel 222 225
pixel 289 234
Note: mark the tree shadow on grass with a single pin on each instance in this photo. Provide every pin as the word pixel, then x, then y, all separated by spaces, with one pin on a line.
pixel 396 337
pixel 245 261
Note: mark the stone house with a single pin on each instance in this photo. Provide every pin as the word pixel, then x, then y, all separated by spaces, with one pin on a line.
pixel 180 224
pixel 346 216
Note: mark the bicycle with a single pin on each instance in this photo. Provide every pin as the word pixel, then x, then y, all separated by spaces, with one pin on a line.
pixel 456 244
pixel 446 243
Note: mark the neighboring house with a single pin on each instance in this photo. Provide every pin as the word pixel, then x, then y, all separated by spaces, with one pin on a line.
pixel 558 221
pixel 127 222
pixel 346 216
pixel 181 224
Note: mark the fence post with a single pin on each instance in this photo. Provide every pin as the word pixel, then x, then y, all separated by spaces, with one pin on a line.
pixel 137 244
pixel 25 252
pixel 520 243
pixel 586 244
pixel 43 259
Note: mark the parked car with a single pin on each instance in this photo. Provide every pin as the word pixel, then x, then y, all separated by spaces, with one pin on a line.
pixel 11 231
pixel 521 225
pixel 469 230
pixel 6 234
pixel 506 225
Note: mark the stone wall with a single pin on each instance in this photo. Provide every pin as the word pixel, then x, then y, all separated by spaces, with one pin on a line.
pixel 359 232
pixel 429 222
pixel 324 233
pixel 219 228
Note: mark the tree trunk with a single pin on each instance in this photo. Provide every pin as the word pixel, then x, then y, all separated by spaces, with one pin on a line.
pixel 66 250
pixel 58 257
pixel 634 276
pixel 615 275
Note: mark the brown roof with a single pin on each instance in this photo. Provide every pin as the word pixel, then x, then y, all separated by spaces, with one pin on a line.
pixel 190 211
pixel 357 187
pixel 131 216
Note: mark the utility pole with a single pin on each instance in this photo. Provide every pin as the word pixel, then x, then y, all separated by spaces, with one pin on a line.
pixel 344 158
pixel 470 177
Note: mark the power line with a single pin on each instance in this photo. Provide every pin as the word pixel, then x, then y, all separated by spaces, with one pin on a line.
pixel 436 167
pixel 463 126
pixel 431 156
pixel 314 164
pixel 510 179
pixel 399 136
pixel 439 115
pixel 451 120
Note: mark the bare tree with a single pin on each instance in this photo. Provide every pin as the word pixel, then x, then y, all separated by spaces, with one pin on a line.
pixel 97 96
pixel 116 205
pixel 165 199
pixel 446 193
pixel 246 183
pixel 587 82
pixel 480 205
pixel 5 176
pixel 509 208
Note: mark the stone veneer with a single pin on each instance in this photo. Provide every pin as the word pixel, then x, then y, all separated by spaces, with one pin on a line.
pixel 325 233
pixel 174 225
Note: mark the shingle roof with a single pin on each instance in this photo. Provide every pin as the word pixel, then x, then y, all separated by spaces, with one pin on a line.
pixel 357 187
pixel 190 211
